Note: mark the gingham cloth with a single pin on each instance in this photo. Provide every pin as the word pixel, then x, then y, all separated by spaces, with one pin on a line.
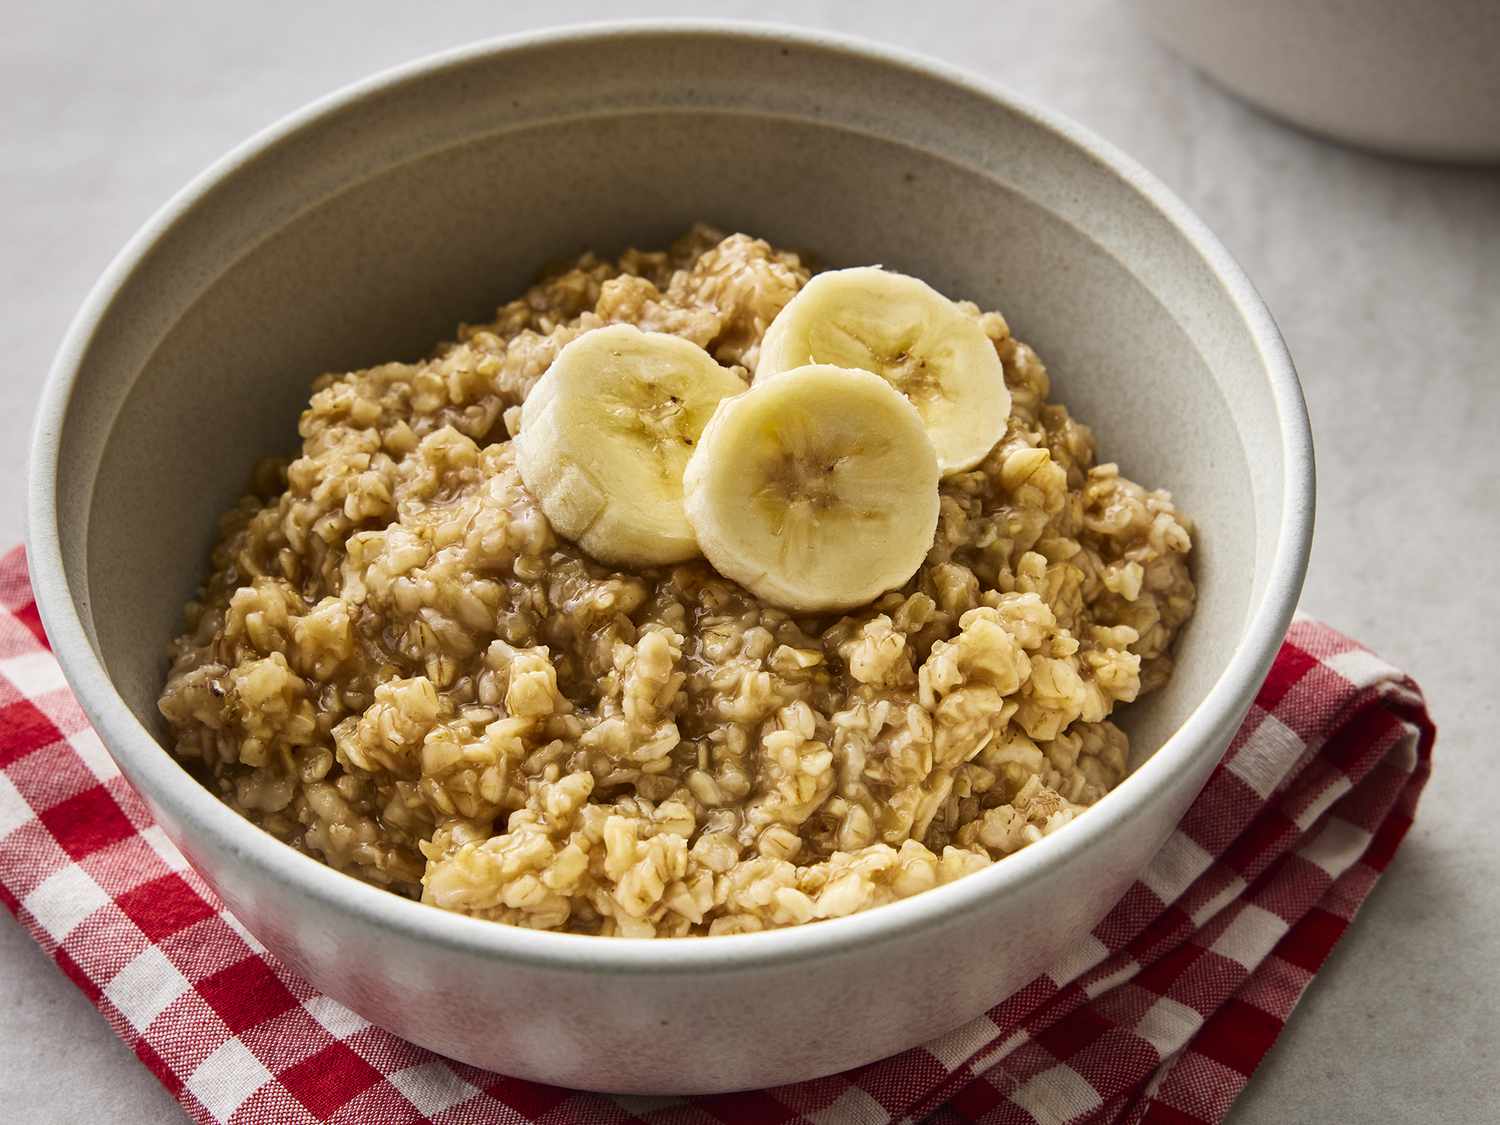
pixel 1160 1015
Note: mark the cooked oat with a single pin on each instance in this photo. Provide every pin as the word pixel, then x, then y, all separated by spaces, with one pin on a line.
pixel 396 666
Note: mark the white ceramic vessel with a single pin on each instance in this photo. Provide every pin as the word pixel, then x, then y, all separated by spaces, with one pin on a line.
pixel 1416 78
pixel 365 226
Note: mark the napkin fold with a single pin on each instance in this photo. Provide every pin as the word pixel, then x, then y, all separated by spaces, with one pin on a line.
pixel 1161 1014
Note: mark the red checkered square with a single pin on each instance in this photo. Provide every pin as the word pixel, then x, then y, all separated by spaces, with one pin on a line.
pixel 382 1102
pixel 1166 931
pixel 1158 1113
pixel 976 1099
pixel 1068 1036
pixel 818 1095
pixel 158 1066
pixel 1138 907
pixel 1266 838
pixel 1214 823
pixel 1387 839
pixel 533 1100
pixel 30 619
pixel 245 994
pixel 325 1081
pixel 890 1088
pixel 84 823
pixel 164 905
pixel 77 974
pixel 1162 975
pixel 1292 664
pixel 1238 1035
pixel 26 729
pixel 1271 863
pixel 1358 741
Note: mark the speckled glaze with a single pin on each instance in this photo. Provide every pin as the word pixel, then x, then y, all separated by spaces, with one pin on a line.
pixel 363 227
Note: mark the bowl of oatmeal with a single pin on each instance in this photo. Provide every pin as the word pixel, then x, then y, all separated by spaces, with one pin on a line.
pixel 670 586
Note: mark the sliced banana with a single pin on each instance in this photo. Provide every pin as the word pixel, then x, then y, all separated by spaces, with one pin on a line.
pixel 817 491
pixel 605 436
pixel 906 332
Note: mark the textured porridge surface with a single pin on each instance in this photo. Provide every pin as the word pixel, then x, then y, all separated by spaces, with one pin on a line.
pixel 397 667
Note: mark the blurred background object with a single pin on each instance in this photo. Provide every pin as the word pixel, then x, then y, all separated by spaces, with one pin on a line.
pixel 1416 78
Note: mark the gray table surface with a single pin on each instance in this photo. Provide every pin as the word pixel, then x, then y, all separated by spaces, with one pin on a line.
pixel 1384 275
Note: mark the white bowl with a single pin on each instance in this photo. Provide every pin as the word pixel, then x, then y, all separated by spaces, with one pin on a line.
pixel 1415 78
pixel 363 227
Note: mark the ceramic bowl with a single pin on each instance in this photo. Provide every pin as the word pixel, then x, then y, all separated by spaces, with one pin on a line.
pixel 1413 78
pixel 364 227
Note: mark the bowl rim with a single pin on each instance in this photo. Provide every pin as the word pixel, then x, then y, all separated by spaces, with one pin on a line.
pixel 201 812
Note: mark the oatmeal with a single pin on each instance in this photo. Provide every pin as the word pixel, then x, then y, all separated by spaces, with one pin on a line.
pixel 397 665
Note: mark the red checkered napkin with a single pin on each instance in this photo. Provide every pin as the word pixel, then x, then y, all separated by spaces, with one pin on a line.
pixel 1160 1015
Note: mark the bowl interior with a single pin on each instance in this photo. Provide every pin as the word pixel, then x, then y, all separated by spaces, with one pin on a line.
pixel 369 232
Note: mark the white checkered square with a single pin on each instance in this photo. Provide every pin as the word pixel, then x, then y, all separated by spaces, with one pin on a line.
pixel 93 753
pixel 1263 759
pixel 14 811
pixel 336 1019
pixel 853 1107
pixel 33 673
pixel 432 1087
pixel 1078 959
pixel 1173 869
pixel 1252 934
pixel 1057 1095
pixel 245 935
pixel 164 848
pixel 959 1045
pixel 225 1079
pixel 63 900
pixel 143 989
pixel 1167 1025
pixel 1337 847
pixel 1360 667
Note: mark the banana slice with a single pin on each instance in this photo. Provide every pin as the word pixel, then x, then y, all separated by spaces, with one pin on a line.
pixel 815 492
pixel 605 436
pixel 906 332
